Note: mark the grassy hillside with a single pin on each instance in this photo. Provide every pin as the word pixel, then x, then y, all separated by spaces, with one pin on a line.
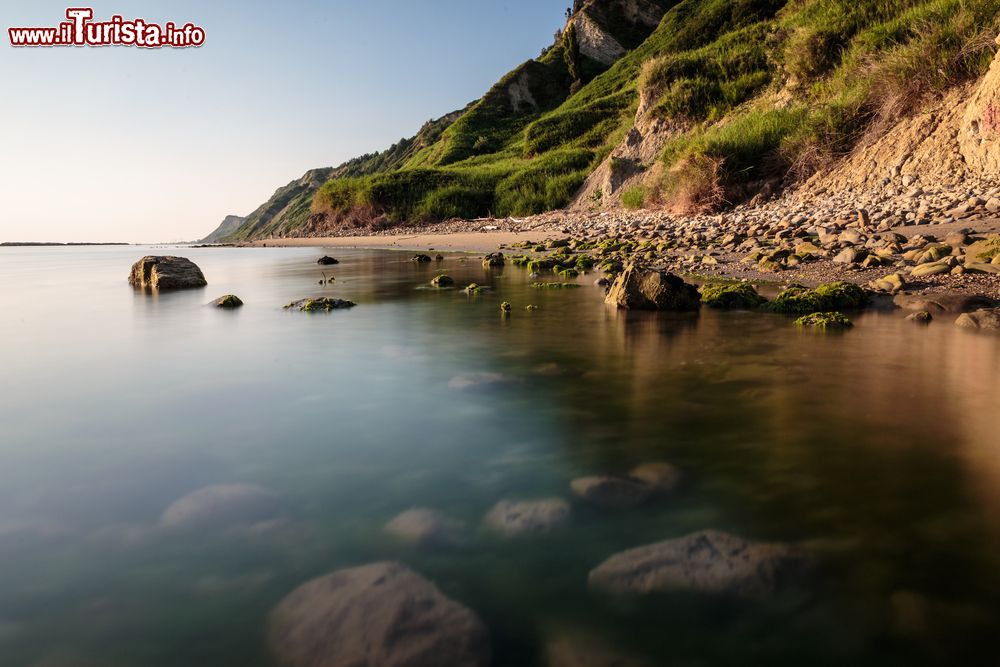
pixel 769 91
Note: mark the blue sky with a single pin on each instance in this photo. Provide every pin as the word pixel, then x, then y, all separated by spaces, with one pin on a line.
pixel 132 144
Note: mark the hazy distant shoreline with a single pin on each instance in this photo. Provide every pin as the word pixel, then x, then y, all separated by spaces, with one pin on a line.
pixel 18 244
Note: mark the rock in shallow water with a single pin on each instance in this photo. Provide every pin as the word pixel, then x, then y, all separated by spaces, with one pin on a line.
pixel 228 301
pixel 513 518
pixel 646 289
pixel 221 506
pixel 708 562
pixel 943 302
pixel 320 305
pixel 985 318
pixel 166 272
pixel 379 615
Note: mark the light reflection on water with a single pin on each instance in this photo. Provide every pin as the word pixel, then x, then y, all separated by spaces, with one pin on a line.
pixel 879 448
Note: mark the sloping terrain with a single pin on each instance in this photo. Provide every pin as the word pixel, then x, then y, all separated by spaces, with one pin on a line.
pixel 685 106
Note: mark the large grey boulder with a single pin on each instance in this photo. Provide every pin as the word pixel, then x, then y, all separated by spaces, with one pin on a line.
pixel 378 615
pixel 222 506
pixel 708 562
pixel 985 318
pixel 166 272
pixel 637 288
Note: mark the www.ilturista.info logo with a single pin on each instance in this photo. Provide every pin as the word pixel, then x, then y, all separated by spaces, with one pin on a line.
pixel 81 30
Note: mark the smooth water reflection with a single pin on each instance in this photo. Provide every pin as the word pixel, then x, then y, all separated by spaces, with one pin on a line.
pixel 878 448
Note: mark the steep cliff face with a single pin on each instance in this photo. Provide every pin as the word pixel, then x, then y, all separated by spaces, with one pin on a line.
pixel 287 206
pixel 952 141
pixel 980 132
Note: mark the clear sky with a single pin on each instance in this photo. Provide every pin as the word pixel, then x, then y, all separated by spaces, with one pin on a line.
pixel 129 144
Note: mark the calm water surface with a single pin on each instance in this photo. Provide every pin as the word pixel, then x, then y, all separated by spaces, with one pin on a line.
pixel 879 449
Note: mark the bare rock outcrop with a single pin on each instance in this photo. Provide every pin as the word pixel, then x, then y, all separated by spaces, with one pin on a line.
pixel 980 133
pixel 378 615
pixel 166 272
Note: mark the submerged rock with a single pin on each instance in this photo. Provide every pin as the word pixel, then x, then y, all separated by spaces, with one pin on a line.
pixel 222 505
pixel 643 483
pixel 513 518
pixel 943 302
pixel 985 318
pixel 611 491
pixel 424 527
pixel 658 476
pixel 326 260
pixel 378 615
pixel 321 304
pixel 646 289
pixel 227 301
pixel 166 272
pixel 707 562
pixel 582 650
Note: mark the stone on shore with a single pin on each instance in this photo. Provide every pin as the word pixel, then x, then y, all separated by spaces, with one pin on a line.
pixel 709 562
pixel 378 615
pixel 425 528
pixel 985 318
pixel 228 301
pixel 166 272
pixel 527 517
pixel 648 289
pixel 222 506
pixel 892 283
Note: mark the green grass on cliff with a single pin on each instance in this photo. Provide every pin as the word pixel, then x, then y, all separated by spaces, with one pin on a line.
pixel 768 90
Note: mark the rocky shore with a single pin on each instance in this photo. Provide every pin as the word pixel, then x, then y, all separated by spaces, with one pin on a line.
pixel 810 236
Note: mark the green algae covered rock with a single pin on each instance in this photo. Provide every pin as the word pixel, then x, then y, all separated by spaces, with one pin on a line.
pixel 731 295
pixel 228 301
pixel 825 321
pixel 800 300
pixel 320 305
